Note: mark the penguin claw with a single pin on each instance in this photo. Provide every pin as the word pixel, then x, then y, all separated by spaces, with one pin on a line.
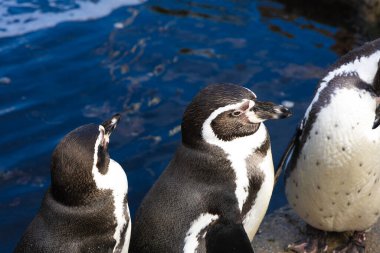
pixel 350 248
pixel 308 246
pixel 356 244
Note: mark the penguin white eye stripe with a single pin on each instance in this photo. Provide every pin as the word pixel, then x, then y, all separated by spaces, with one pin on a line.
pixel 102 130
pixel 214 114
pixel 251 92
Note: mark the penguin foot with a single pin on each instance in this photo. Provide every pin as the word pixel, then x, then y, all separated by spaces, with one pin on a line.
pixel 308 246
pixel 356 244
pixel 314 243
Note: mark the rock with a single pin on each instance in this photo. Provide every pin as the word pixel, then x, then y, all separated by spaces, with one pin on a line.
pixel 283 227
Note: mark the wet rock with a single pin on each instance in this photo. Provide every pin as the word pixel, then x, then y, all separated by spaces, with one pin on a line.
pixel 284 227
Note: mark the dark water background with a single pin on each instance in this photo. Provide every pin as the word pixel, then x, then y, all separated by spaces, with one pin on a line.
pixel 147 61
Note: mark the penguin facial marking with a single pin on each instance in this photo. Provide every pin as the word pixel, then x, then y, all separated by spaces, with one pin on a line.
pixel 197 226
pixel 237 149
pixel 243 119
pixel 113 179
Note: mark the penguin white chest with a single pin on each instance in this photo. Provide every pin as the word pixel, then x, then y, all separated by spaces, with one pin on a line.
pixel 238 151
pixel 335 184
pixel 259 207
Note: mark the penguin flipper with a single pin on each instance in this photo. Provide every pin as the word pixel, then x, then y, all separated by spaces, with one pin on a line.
pixel 288 152
pixel 227 237
pixel 376 122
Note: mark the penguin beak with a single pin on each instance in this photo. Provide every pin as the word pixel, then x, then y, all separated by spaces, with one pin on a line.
pixel 269 110
pixel 110 124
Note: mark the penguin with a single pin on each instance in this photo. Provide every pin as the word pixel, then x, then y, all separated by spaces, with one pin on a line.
pixel 85 209
pixel 215 191
pixel 332 164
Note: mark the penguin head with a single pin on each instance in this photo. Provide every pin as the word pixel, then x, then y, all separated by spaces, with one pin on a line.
pixel 74 158
pixel 228 111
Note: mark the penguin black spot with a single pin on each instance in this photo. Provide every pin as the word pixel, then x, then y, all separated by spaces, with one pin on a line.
pixel 316 132
pixel 369 172
pixel 359 216
pixel 328 137
pixel 336 125
pixel 343 149
pixel 336 193
pixel 317 163
pixel 359 190
pixel 347 193
pixel 357 123
pixel 296 196
pixel 304 157
pixel 369 194
pixel 348 203
pixel 318 187
pixel 360 164
pixel 342 183
pixel 377 180
pixel 321 209
pixel 333 203
pixel 377 213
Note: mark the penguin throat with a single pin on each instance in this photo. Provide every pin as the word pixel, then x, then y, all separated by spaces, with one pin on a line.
pixel 103 160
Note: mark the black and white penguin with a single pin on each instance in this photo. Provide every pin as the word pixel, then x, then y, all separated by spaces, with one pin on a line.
pixel 332 164
pixel 85 209
pixel 214 193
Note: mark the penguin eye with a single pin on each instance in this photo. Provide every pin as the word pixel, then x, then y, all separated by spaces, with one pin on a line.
pixel 236 113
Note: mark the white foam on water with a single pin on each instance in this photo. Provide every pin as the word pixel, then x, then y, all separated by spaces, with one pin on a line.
pixel 33 17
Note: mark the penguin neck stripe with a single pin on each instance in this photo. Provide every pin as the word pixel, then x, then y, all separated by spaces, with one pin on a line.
pixel 116 181
pixel 364 67
pixel 237 150
pixel 192 235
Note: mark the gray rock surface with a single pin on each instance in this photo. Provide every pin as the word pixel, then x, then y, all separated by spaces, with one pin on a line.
pixel 283 227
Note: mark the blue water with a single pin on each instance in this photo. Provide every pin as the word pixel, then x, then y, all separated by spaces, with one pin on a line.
pixel 147 61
